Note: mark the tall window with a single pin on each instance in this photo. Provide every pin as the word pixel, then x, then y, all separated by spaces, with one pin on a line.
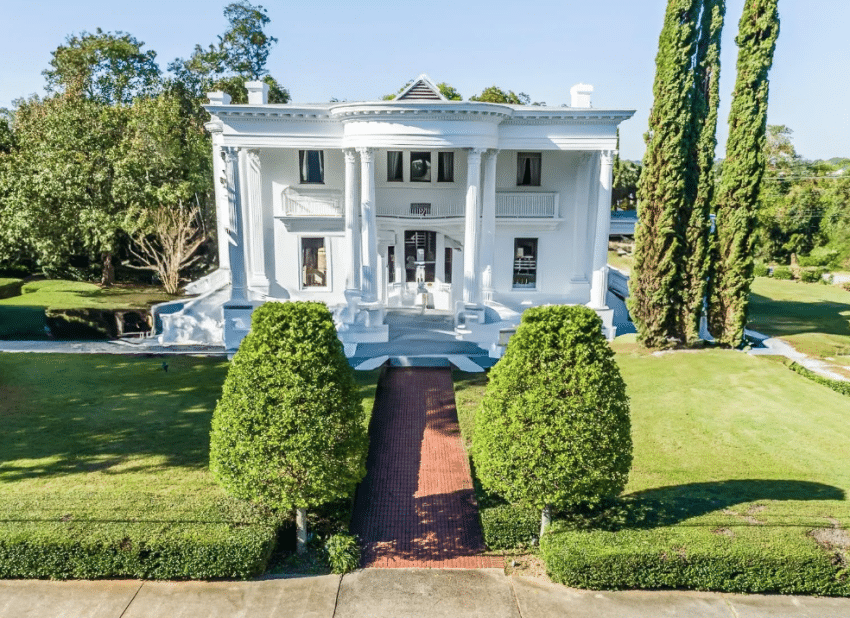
pixel 312 166
pixel 447 273
pixel 395 169
pixel 391 264
pixel 528 169
pixel 314 263
pixel 525 263
pixel 446 167
pixel 420 167
pixel 420 251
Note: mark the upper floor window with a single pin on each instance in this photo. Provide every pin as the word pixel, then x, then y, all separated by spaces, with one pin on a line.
pixel 312 166
pixel 395 167
pixel 528 169
pixel 420 167
pixel 446 167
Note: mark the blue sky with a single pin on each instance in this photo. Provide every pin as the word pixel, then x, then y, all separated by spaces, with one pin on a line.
pixel 363 50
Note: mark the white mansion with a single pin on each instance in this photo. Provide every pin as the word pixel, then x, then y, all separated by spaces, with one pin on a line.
pixel 464 209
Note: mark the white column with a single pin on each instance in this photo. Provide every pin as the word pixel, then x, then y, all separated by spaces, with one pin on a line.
pixel 254 233
pixel 488 225
pixel 370 230
pixel 220 192
pixel 470 237
pixel 352 224
pixel 599 285
pixel 236 249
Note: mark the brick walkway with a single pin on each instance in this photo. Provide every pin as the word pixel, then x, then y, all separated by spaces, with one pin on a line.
pixel 416 506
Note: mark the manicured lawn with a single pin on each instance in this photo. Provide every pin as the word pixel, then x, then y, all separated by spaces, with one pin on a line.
pixel 735 458
pixel 22 317
pixel 812 317
pixel 108 449
pixel 620 262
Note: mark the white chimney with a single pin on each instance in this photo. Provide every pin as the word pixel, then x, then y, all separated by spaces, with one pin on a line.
pixel 218 98
pixel 258 93
pixel 580 95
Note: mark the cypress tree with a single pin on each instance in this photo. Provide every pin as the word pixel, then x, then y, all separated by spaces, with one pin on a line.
pixel 662 194
pixel 700 180
pixel 743 169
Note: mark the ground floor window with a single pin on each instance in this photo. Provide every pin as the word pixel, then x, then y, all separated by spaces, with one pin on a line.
pixel 391 264
pixel 447 273
pixel 420 254
pixel 314 263
pixel 525 263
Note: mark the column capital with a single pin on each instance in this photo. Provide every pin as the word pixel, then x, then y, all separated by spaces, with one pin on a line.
pixel 475 152
pixel 607 156
pixel 350 155
pixel 253 155
pixel 230 153
pixel 367 153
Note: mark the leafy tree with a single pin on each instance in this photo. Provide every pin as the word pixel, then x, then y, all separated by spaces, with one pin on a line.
pixel 700 178
pixel 656 282
pixel 289 431
pixel 743 169
pixel 553 431
pixel 449 92
pixel 108 67
pixel 494 94
pixel 239 56
pixel 625 185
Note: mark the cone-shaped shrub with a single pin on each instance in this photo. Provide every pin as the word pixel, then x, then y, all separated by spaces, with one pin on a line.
pixel 553 430
pixel 288 431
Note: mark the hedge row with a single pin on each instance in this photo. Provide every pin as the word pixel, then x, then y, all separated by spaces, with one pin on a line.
pixel 509 527
pixel 201 546
pixel 10 287
pixel 651 559
pixel 837 385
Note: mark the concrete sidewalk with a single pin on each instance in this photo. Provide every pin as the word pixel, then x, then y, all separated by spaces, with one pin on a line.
pixel 399 593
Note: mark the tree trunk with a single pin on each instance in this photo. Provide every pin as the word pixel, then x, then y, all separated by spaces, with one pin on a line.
pixel 107 276
pixel 545 519
pixel 301 530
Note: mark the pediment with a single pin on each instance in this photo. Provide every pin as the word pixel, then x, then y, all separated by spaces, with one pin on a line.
pixel 421 89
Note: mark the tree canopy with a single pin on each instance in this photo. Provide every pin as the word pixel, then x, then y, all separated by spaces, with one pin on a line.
pixel 494 94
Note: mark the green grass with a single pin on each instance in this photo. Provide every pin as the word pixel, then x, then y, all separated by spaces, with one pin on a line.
pixel 107 447
pixel 733 456
pixel 812 317
pixel 620 262
pixel 22 317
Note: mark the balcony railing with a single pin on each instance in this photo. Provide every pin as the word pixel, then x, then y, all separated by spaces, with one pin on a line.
pixel 311 204
pixel 526 205
pixel 421 210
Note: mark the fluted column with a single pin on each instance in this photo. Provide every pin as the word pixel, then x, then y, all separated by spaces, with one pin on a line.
pixel 370 231
pixel 352 223
pixel 599 285
pixel 488 225
pixel 471 235
pixel 235 239
pixel 254 233
pixel 220 192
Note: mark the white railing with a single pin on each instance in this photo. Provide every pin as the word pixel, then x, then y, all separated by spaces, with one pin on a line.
pixel 524 205
pixel 421 210
pixel 313 204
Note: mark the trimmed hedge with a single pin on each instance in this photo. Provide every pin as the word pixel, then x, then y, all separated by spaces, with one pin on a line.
pixel 509 526
pixel 663 558
pixel 224 546
pixel 782 272
pixel 837 385
pixel 10 287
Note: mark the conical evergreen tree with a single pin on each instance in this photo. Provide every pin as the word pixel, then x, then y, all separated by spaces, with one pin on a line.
pixel 743 168
pixel 657 277
pixel 700 189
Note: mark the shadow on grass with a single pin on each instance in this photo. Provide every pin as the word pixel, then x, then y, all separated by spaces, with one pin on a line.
pixel 671 505
pixel 785 317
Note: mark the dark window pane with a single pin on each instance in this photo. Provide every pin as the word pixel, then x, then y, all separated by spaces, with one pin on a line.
pixel 446 171
pixel 525 263
pixel 314 263
pixel 312 166
pixel 395 169
pixel 391 264
pixel 528 169
pixel 447 275
pixel 420 167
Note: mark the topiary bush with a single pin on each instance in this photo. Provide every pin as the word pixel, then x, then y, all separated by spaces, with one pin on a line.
pixel 289 431
pixel 553 431
pixel 760 270
pixel 782 272
pixel 813 275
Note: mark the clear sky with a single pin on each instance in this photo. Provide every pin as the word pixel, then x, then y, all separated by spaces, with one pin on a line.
pixel 363 50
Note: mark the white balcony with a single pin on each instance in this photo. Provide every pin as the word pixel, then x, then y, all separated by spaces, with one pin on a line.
pixel 526 205
pixel 311 203
pixel 445 209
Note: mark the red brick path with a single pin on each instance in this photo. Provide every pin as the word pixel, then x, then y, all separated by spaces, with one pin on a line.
pixel 416 506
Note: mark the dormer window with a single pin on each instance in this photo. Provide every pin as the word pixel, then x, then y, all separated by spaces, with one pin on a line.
pixel 528 169
pixel 312 166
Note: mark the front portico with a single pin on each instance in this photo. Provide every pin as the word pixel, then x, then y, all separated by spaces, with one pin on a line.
pixel 476 209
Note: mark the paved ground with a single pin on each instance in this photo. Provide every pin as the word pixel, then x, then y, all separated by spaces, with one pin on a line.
pixel 399 593
pixel 416 506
